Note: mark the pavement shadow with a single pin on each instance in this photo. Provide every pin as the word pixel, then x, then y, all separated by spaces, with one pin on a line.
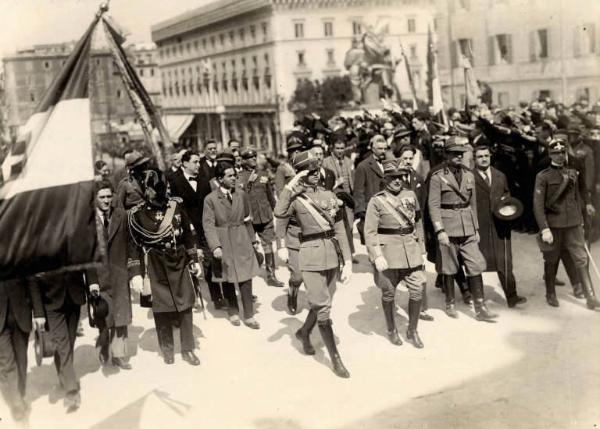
pixel 363 265
pixel 276 423
pixel 280 303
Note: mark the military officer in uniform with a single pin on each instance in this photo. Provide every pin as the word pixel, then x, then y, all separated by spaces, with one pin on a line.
pixel 323 249
pixel 453 212
pixel 258 186
pixel 395 243
pixel 557 207
pixel 295 142
pixel 163 238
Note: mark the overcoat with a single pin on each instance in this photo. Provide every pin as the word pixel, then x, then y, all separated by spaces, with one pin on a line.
pixel 368 180
pixel 113 278
pixel 492 231
pixel 229 226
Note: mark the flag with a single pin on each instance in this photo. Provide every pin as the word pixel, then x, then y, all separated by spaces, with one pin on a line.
pixel 434 90
pixel 472 93
pixel 411 81
pixel 47 208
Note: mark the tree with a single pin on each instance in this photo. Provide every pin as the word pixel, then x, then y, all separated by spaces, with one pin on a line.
pixel 323 98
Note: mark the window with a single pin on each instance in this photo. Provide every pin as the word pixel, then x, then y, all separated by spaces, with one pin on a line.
pixel 330 57
pixel 141 72
pixel 538 44
pixel 253 31
pixel 412 25
pixel 118 93
pixel 299 30
pixel 203 43
pixel 301 62
pixel 195 45
pixel 46 65
pixel 32 96
pixel 503 99
pixel 152 72
pixel 222 39
pixel 413 51
pixel 328 29
pixel 584 40
pixel 461 48
pixel 231 37
pixel 500 49
pixel 212 41
pixel 265 29
pixel 254 61
pixel 356 28
pixel 188 47
pixel 544 94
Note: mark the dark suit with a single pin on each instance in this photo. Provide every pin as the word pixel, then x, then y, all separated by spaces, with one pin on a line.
pixel 494 234
pixel 368 181
pixel 326 178
pixel 16 301
pixel 207 171
pixel 193 204
pixel 63 295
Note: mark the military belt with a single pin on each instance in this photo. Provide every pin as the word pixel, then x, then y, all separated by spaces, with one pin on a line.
pixel 455 206
pixel 318 236
pixel 396 231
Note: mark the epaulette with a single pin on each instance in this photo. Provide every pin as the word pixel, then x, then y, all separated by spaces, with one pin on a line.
pixel 380 193
pixel 178 200
pixel 137 207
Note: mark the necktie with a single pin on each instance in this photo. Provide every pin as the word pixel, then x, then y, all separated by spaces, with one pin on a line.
pixel 105 220
pixel 487 179
pixel 229 197
pixel 193 179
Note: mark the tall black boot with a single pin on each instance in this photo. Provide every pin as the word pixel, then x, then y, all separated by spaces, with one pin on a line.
pixel 388 310
pixel 481 311
pixel 270 267
pixel 414 309
pixel 303 334
pixel 463 286
pixel 588 288
pixel 549 279
pixel 449 291
pixel 292 298
pixel 336 361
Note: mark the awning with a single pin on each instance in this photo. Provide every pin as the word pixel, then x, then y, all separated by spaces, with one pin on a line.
pixel 176 125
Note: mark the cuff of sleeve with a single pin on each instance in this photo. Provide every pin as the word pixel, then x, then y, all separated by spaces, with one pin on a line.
pixel 545 230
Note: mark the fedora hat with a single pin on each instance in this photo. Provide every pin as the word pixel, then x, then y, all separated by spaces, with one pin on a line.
pixel 508 208
pixel 43 345
pixel 135 158
pixel 98 309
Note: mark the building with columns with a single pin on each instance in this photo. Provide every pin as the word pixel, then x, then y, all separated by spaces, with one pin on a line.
pixel 522 49
pixel 229 68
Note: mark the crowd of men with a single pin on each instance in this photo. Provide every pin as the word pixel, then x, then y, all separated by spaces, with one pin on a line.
pixel 415 186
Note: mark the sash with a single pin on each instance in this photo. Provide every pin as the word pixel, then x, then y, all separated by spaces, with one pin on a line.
pixel 550 204
pixel 455 189
pixel 401 217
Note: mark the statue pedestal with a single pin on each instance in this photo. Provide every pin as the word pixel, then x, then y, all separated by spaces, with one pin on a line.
pixel 371 94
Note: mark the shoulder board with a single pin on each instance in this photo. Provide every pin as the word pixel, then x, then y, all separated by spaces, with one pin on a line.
pixel 137 207
pixel 380 193
pixel 441 170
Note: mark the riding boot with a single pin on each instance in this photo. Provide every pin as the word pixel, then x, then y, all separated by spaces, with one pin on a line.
pixel 463 286
pixel 449 291
pixel 303 334
pixel 414 309
pixel 329 340
pixel 292 298
pixel 481 311
pixel 388 310
pixel 270 267
pixel 578 291
pixel 588 288
pixel 549 279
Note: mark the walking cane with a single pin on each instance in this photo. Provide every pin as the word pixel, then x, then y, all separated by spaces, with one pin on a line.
pixel 594 266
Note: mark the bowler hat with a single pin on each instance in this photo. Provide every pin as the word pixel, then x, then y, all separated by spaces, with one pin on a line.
pixel 508 208
pixel 43 345
pixel 226 156
pixel 97 309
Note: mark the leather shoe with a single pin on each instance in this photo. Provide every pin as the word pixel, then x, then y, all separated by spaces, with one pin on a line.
pixel 121 363
pixel 451 311
pixel 169 358
pixel 103 357
pixel 551 300
pixel 468 298
pixel 234 319
pixel 191 358
pixel 252 323
pixel 72 401
pixel 516 300
pixel 423 315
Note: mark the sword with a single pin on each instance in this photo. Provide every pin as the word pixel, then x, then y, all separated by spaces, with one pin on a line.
pixel 198 292
pixel 594 266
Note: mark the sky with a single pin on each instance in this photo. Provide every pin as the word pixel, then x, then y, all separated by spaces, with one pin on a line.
pixel 28 22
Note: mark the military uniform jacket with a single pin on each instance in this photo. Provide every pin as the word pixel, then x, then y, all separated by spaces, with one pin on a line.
pixel 167 258
pixel 288 228
pixel 566 211
pixel 283 174
pixel 259 188
pixel 400 251
pixel 457 222
pixel 320 254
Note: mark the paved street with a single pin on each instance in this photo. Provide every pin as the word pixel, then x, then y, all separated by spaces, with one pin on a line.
pixel 537 367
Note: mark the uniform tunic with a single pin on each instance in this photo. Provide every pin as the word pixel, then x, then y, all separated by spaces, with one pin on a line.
pixel 318 258
pixel 398 240
pixel 167 259
pixel 453 208
pixel 259 188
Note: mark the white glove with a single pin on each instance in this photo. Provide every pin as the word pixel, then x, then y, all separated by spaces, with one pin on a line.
pixel 39 322
pixel 95 289
pixel 547 236
pixel 195 269
pixel 346 272
pixel 381 264
pixel 218 253
pixel 136 284
pixel 296 179
pixel 283 254
pixel 443 239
